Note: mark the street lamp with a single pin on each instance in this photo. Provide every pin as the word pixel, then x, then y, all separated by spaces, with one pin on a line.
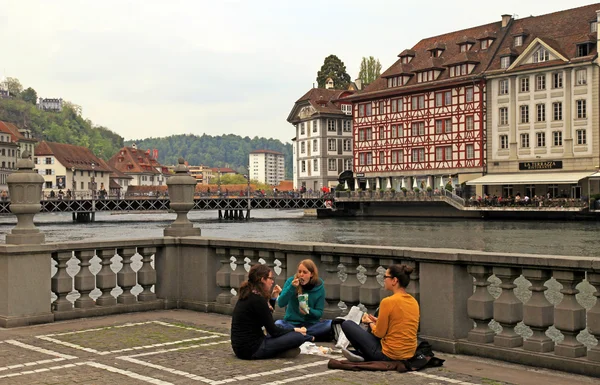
pixel 74 183
pixel 93 180
pixel 219 182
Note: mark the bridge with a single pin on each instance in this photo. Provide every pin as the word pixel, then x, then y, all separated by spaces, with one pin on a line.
pixel 229 208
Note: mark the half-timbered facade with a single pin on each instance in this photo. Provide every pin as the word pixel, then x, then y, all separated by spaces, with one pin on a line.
pixel 422 123
pixel 543 107
pixel 323 143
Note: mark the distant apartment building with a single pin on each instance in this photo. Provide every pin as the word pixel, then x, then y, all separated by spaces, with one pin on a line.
pixel 267 166
pixel 323 142
pixel 50 104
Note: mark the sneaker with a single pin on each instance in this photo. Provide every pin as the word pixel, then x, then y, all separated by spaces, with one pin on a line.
pixel 291 353
pixel 351 356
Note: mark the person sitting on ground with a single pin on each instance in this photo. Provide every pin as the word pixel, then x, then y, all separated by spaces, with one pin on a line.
pixel 305 285
pixel 393 335
pixel 252 312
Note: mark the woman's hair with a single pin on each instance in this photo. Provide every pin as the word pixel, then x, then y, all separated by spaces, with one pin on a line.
pixel 310 266
pixel 402 272
pixel 254 282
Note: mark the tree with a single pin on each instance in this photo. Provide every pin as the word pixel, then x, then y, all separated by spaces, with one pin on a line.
pixel 370 69
pixel 29 95
pixel 335 69
pixel 14 87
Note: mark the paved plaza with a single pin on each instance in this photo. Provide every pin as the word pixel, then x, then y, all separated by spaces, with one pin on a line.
pixel 185 347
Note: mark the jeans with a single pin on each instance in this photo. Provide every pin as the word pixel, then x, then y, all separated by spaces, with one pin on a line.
pixel 272 346
pixel 320 330
pixel 365 343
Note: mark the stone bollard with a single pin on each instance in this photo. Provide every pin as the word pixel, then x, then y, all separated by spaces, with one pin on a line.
pixel 25 189
pixel 181 191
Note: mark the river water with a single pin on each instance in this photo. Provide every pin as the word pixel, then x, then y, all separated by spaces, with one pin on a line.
pixel 535 237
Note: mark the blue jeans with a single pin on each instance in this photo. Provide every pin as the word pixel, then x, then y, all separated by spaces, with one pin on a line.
pixel 321 330
pixel 365 343
pixel 272 346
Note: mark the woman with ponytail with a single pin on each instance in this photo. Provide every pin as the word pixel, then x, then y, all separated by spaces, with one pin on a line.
pixel 253 312
pixel 393 335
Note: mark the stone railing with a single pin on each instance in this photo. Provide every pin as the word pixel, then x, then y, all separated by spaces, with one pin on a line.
pixel 530 309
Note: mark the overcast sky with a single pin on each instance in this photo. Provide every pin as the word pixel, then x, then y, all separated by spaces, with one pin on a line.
pixel 155 68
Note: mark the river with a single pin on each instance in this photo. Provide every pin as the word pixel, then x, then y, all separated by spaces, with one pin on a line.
pixel 535 237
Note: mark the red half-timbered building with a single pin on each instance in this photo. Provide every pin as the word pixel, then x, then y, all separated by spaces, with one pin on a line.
pixel 422 122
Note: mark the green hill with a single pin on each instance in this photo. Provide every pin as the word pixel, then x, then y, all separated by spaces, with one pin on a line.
pixel 214 151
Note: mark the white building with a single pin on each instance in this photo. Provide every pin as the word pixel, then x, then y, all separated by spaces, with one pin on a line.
pixel 267 166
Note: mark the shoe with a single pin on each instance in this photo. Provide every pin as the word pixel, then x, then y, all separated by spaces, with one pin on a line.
pixel 291 353
pixel 351 356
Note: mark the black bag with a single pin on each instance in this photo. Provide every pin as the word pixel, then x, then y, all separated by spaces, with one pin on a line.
pixel 336 327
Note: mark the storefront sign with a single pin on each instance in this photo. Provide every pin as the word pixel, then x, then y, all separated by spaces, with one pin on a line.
pixel 548 165
pixel 360 175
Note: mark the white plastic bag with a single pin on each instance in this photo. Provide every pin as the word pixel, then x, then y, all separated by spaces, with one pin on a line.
pixel 355 315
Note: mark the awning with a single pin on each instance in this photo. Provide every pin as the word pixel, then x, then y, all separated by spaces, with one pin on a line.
pixel 532 178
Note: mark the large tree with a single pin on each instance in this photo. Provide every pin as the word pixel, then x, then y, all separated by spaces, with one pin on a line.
pixel 335 69
pixel 370 69
pixel 14 87
pixel 29 95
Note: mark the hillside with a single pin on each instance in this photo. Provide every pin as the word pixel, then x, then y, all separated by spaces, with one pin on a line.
pixel 214 151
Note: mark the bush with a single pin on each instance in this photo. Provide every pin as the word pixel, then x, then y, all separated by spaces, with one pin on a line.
pixel 429 189
pixel 449 187
pixel 404 189
pixel 393 190
pixel 416 189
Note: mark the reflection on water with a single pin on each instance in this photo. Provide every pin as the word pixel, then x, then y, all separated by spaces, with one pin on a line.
pixel 535 237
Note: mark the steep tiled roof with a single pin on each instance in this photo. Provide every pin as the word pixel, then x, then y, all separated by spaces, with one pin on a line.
pixel 131 160
pixel 70 155
pixel 323 100
pixel 13 130
pixel 560 30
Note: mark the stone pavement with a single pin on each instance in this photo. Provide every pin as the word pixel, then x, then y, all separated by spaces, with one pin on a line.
pixel 185 347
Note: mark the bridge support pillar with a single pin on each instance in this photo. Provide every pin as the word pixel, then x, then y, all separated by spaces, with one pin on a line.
pixel 241 214
pixel 248 214
pixel 74 216
pixel 93 218
pixel 220 214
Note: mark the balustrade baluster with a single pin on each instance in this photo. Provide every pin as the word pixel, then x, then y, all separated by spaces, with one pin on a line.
pixel 85 281
pixel 508 310
pixel 238 275
pixel 252 255
pixel 106 279
pixel 146 274
pixel 126 277
pixel 223 277
pixel 332 286
pixel 61 283
pixel 569 315
pixel 269 258
pixel 413 287
pixel 349 290
pixel 593 317
pixel 538 313
pixel 282 277
pixel 480 306
pixel 369 291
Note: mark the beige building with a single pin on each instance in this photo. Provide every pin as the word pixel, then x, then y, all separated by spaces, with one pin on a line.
pixel 9 149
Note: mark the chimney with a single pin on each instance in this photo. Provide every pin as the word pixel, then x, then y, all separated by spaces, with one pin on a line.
pixel 358 83
pixel 505 20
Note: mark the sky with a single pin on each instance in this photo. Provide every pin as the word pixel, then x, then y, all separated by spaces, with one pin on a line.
pixel 157 68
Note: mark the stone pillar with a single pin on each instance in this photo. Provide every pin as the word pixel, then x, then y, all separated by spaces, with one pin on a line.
pixel 126 277
pixel 349 290
pixel 368 293
pixel 283 275
pixel 62 283
pixel 25 189
pixel 569 315
pixel 480 305
pixel 239 275
pixel 106 279
pixel 332 286
pixel 538 313
pixel 508 309
pixel 146 274
pixel 181 192
pixel 223 277
pixel 85 281
pixel 593 317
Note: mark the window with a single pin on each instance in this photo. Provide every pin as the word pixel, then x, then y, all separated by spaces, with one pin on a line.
pixel 459 70
pixel 443 126
pixel 524 114
pixel 581 77
pixel 557 80
pixel 581 137
pixel 524 140
pixel 447 98
pixel 381 132
pixel 302 148
pixel 503 116
pixel 315 125
pixel 397 105
pixel 381 157
pixel 524 82
pixel 557 138
pixel 347 145
pixel 470 151
pixel 397 131
pixel 347 125
pixel 381 108
pixel 469 95
pixel 581 109
pixel 302 128
pixel 593 26
pixel 557 111
pixel 541 55
pixel 418 102
pixel 49 161
pixel 503 142
pixel 397 156
pixel 540 139
pixel 443 153
pixel 331 144
pixel 469 124
pixel 418 155
pixel 316 165
pixel 365 158
pixel 365 134
pixel 484 44
pixel 418 128
pixel 541 112
pixel 347 109
pixel 540 82
pixel 315 145
pixel 49 184
pixel 49 171
pixel 347 164
pixel 583 49
pixel 505 62
pixel 518 41
pixel 503 87
pixel 303 163
pixel 331 165
pixel 331 125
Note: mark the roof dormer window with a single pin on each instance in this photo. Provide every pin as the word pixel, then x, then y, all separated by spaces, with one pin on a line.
pixel 541 55
pixel 594 26
pixel 583 49
pixel 406 59
pixel 485 44
pixel 518 41
pixel 505 61
pixel 436 52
